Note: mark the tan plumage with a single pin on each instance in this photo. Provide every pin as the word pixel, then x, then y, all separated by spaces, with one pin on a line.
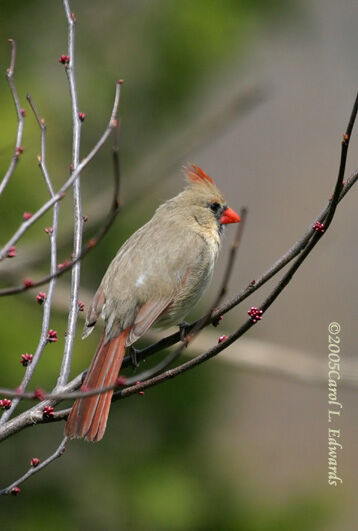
pixel 156 277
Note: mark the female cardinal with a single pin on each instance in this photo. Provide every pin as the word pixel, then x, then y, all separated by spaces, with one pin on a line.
pixel 156 277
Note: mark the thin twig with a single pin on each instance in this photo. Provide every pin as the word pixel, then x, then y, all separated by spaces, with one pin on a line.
pixel 77 207
pixel 61 193
pixel 20 119
pixel 94 241
pixel 33 470
pixel 35 414
pixel 43 340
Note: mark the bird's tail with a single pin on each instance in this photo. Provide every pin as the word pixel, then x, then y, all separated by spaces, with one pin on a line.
pixel 88 416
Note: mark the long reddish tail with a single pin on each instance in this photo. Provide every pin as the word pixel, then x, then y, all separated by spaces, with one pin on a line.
pixel 88 416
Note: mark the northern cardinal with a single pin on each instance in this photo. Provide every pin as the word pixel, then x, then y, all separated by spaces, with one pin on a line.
pixel 156 277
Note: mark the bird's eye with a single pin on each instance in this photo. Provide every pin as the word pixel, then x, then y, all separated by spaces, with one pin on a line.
pixel 214 207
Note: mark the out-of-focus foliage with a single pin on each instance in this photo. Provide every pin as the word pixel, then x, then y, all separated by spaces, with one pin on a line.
pixel 157 468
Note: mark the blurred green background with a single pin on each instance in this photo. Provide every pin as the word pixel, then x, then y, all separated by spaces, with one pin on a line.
pixel 186 456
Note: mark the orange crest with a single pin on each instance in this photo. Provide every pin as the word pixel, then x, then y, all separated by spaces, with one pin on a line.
pixel 196 174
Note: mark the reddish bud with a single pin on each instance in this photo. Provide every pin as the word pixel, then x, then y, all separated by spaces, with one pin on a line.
pixel 252 283
pixel 64 59
pixel 41 297
pixel 35 461
pixel 48 412
pixel 19 151
pixel 52 336
pixel 345 137
pixel 255 314
pixel 92 243
pixel 5 403
pixel 49 230
pixel 81 116
pixel 39 394
pixel 26 216
pixel 71 167
pixel 318 227
pixel 85 219
pixel 120 81
pixel 11 252
pixel 28 282
pixel 222 338
pixel 64 264
pixel 23 112
pixel 81 306
pixel 121 381
pixel 15 491
pixel 26 359
pixel 141 393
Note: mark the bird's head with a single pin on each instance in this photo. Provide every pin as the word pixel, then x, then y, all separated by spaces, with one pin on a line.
pixel 204 202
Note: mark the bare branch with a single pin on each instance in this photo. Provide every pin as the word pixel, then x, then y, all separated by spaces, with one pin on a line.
pixel 94 241
pixel 53 265
pixel 20 118
pixel 34 469
pixel 34 415
pixel 61 193
pixel 77 208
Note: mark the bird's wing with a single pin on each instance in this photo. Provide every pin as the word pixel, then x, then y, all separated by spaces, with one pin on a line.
pixel 146 316
pixel 94 312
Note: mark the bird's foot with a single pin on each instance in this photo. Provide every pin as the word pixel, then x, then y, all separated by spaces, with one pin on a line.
pixel 184 330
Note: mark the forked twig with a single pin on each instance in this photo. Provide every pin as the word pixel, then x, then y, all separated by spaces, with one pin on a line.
pixel 61 193
pixel 43 340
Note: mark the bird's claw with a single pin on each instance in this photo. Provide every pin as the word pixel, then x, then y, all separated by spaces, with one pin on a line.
pixel 184 330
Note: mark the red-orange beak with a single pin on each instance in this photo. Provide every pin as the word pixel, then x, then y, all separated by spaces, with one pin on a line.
pixel 229 216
